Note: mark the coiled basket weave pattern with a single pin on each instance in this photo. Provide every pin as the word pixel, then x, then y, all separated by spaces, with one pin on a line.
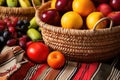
pixel 81 45
pixel 21 13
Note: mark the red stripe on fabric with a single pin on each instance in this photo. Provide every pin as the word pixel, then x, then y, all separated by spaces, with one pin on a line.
pixel 21 73
pixel 40 69
pixel 79 73
pixel 88 73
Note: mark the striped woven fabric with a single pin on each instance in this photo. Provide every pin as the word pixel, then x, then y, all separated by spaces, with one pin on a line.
pixel 109 70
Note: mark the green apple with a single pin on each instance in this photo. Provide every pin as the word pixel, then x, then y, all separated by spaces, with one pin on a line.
pixel 34 34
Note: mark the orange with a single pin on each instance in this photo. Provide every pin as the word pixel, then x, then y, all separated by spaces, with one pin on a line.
pixel 83 7
pixel 53 2
pixel 56 59
pixel 93 18
pixel 71 20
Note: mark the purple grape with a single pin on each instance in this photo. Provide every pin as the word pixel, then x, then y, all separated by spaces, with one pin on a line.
pixel 11 42
pixel 22 43
pixel 6 34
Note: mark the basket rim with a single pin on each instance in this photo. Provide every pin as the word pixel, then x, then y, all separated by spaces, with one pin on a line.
pixel 72 31
pixel 16 7
pixel 16 10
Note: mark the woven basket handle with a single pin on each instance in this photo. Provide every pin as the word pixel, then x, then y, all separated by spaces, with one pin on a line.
pixel 102 19
pixel 35 7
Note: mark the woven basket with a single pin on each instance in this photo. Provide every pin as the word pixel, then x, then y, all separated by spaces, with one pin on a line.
pixel 81 45
pixel 21 13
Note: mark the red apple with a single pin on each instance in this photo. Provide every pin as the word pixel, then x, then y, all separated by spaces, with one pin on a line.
pixel 64 5
pixel 116 17
pixel 37 52
pixel 104 8
pixel 50 16
pixel 115 4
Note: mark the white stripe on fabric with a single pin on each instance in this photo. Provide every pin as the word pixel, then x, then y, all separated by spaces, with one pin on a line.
pixel 113 69
pixel 46 73
pixel 73 73
pixel 62 70
pixel 118 75
pixel 7 62
pixel 69 70
pixel 31 71
pixel 8 65
pixel 92 78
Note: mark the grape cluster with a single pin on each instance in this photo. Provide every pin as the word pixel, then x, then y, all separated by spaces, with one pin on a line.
pixel 13 32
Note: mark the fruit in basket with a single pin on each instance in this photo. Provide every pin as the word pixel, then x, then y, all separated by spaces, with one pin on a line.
pixel 115 16
pixel 12 3
pixel 50 16
pixel 25 3
pixel 83 7
pixel 104 8
pixel 34 34
pixel 115 4
pixel 2 2
pixel 56 59
pixel 37 52
pixel 93 18
pixel 71 20
pixel 63 5
pixel 53 2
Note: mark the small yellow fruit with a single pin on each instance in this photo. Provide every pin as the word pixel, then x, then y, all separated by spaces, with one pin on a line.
pixel 71 20
pixel 93 18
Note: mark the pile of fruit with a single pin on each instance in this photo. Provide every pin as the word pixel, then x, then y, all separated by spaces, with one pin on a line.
pixel 18 32
pixel 19 3
pixel 27 35
pixel 81 14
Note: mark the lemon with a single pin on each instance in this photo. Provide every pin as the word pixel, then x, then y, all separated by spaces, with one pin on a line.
pixel 71 20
